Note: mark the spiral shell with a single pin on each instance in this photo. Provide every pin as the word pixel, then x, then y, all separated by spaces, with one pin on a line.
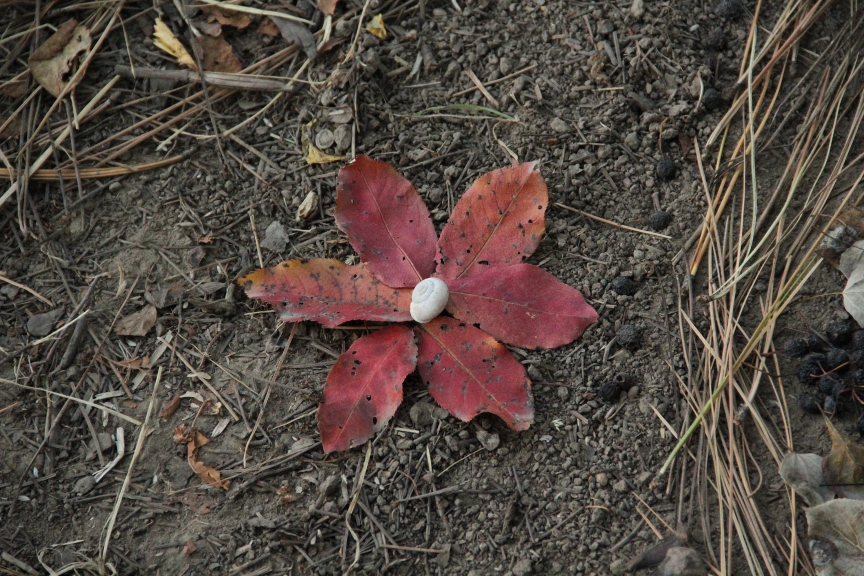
pixel 429 299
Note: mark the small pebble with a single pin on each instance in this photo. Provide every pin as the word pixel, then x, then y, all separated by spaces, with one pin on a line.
pixel 716 40
pixel 858 340
pixel 831 406
pixel 728 9
pixel 665 169
pixel 624 286
pixel 489 440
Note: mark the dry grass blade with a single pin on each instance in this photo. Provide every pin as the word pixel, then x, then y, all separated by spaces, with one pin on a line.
pixel 743 433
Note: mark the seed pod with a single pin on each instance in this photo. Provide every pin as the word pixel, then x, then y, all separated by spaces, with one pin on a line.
pixel 837 358
pixel 624 286
pixel 711 99
pixel 665 169
pixel 628 336
pixel 840 332
pixel 609 392
pixel 660 220
pixel 796 348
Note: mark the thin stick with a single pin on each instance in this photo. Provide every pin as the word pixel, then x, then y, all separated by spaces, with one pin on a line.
pixel 610 223
pixel 4 278
pixel 496 81
pixel 481 88
pixel 142 435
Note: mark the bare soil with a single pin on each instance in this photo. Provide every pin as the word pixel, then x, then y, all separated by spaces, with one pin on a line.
pixel 575 494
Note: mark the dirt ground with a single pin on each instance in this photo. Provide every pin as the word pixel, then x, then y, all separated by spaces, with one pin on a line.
pixel 575 494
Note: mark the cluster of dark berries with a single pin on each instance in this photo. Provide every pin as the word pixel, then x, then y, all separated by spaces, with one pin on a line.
pixel 610 391
pixel 834 366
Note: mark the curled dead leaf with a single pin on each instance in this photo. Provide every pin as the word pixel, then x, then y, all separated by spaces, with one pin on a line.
pixel 296 34
pixel 217 55
pixel 376 27
pixel 171 407
pixel 51 63
pixel 327 7
pixel 225 17
pixel 137 324
pixel 166 41
pixel 194 439
pixel 307 206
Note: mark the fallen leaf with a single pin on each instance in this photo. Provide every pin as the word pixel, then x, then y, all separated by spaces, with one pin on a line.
pixel 836 537
pixel 851 258
pixel 327 291
pixel 189 548
pixel 364 387
pixel 275 237
pixel 376 27
pixel 521 305
pixel 298 35
pixel 803 473
pixel 853 295
pixel 386 221
pixel 51 63
pixel 498 222
pixel 218 55
pixel 843 467
pixel 165 40
pixel 268 28
pixel 226 17
pixel 469 373
pixel 137 324
pixel 42 324
pixel 327 7
pixel 208 474
pixel 210 28
pixel 171 407
pixel 316 156
pixel 194 440
pixel 310 202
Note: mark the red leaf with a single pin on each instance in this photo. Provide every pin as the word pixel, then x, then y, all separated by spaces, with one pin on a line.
pixel 468 372
pixel 364 387
pixel 497 222
pixel 521 305
pixel 327 291
pixel 386 221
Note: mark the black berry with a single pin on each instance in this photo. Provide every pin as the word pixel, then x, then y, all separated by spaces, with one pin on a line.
pixel 857 378
pixel 796 348
pixel 858 340
pixel 828 382
pixel 840 332
pixel 837 358
pixel 628 336
pixel 831 406
pixel 609 392
pixel 716 40
pixel 856 359
pixel 808 374
pixel 660 220
pixel 840 388
pixel 665 168
pixel 810 403
pixel 728 9
pixel 815 343
pixel 711 99
pixel 624 286
pixel 816 358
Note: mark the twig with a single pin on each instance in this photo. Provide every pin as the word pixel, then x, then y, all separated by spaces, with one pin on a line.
pixel 6 279
pixel 481 88
pixel 610 223
pixel 221 79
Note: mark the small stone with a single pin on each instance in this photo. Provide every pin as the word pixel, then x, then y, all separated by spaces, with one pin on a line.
pixel 628 336
pixel 505 66
pixel 796 348
pixel 831 406
pixel 637 8
pixel 342 137
pixel 559 125
pixel 711 99
pixel 624 286
pixel 682 561
pixel 602 479
pixel 660 220
pixel 644 477
pixel 716 40
pixel 665 169
pixel 522 567
pixel 84 484
pixel 421 414
pixel 42 324
pixel 275 237
pixel 620 486
pixel 489 440
pixel 632 140
pixel 330 486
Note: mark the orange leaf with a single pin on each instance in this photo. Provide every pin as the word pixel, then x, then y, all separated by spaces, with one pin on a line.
pixel 217 55
pixel 226 17
pixel 171 407
pixel 327 7
pixel 208 474
pixel 327 291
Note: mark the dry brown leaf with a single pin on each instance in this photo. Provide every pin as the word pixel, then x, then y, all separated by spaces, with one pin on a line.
pixel 165 40
pixel 376 27
pixel 14 88
pixel 171 407
pixel 307 206
pixel 53 60
pixel 285 495
pixel 217 55
pixel 208 474
pixel 137 324
pixel 194 439
pixel 327 7
pixel 225 17
pixel 189 548
pixel 210 28
pixel 268 28
pixel 843 467
pixel 296 34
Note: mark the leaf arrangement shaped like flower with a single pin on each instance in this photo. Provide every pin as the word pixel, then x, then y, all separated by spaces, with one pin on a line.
pixel 494 296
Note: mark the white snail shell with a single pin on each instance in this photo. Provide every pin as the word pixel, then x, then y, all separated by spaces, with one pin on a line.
pixel 428 299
